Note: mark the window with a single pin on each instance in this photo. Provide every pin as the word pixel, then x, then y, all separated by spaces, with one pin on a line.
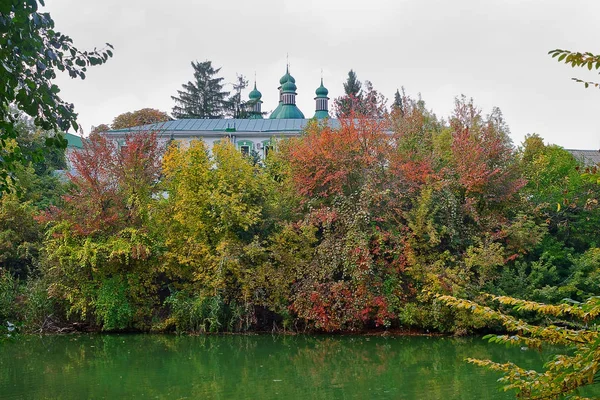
pixel 245 150
pixel 268 148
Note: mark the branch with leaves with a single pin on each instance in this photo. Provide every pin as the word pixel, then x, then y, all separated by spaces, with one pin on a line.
pixel 577 59
pixel 565 374
pixel 31 51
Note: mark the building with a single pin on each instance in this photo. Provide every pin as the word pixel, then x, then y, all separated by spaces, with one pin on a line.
pixel 255 134
pixel 589 158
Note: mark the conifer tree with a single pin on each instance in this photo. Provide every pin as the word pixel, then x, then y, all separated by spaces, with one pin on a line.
pixel 347 104
pixel 353 86
pixel 203 97
pixel 398 105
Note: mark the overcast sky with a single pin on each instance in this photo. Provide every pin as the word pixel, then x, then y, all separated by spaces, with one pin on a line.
pixel 492 51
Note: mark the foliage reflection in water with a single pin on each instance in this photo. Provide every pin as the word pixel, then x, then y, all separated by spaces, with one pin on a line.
pixel 251 367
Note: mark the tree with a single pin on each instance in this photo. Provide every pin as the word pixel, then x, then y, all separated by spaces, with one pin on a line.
pixel 570 329
pixel 145 116
pixel 236 107
pixel 398 104
pixel 373 103
pixel 100 257
pixel 577 59
pixel 346 104
pixel 31 51
pixel 204 96
pixel 356 101
pixel 100 128
pixel 352 87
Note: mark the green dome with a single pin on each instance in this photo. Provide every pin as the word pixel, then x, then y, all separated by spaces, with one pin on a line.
pixel 321 114
pixel 276 111
pixel 322 90
pixel 289 87
pixel 289 111
pixel 287 77
pixel 255 94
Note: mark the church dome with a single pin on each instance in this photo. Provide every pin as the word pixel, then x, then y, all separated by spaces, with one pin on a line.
pixel 287 77
pixel 255 94
pixel 289 87
pixel 322 90
pixel 289 111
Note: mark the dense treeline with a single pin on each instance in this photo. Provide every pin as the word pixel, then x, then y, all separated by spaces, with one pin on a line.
pixel 339 229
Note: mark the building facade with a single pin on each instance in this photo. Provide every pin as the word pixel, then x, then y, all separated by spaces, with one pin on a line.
pixel 255 134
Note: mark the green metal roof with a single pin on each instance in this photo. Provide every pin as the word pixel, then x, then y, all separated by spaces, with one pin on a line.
pixel 290 111
pixel 276 111
pixel 190 126
pixel 73 141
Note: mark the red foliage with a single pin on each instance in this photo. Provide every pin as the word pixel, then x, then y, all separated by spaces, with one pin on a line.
pixel 108 183
pixel 338 306
pixel 328 161
pixel 482 155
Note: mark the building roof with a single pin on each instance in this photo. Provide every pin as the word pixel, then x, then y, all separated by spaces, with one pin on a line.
pixel 74 141
pixel 276 110
pixel 290 111
pixel 227 125
pixel 321 114
pixel 587 157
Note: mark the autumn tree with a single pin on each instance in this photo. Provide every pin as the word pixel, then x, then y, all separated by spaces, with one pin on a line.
pixel 202 97
pixel 31 51
pixel 360 100
pixel 100 129
pixel 145 116
pixel 101 257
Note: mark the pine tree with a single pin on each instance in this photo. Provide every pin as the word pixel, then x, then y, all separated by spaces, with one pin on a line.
pixel 204 97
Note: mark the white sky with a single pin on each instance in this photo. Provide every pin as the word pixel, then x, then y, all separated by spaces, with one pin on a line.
pixel 494 51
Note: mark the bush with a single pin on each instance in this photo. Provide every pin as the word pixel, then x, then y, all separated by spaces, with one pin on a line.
pixel 8 295
pixel 201 314
pixel 113 309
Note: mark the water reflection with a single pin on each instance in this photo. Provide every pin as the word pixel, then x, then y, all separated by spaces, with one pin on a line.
pixel 251 367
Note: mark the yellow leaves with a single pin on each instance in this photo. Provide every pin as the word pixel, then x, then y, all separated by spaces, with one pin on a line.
pixel 212 203
pixel 566 372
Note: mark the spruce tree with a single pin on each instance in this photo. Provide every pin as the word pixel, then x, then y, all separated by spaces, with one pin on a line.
pixel 204 96
pixel 352 87
pixel 398 103
pixel 350 102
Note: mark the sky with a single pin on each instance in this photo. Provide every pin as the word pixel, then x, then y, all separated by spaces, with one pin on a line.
pixel 492 51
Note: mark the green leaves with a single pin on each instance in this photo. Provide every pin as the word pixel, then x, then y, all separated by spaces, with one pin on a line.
pixel 576 59
pixel 31 51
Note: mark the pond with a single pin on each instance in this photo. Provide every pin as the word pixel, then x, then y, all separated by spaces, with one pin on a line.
pixel 252 367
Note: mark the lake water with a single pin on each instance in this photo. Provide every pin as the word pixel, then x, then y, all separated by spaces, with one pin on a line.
pixel 251 367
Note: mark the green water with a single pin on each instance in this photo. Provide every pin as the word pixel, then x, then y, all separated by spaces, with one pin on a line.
pixel 251 367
